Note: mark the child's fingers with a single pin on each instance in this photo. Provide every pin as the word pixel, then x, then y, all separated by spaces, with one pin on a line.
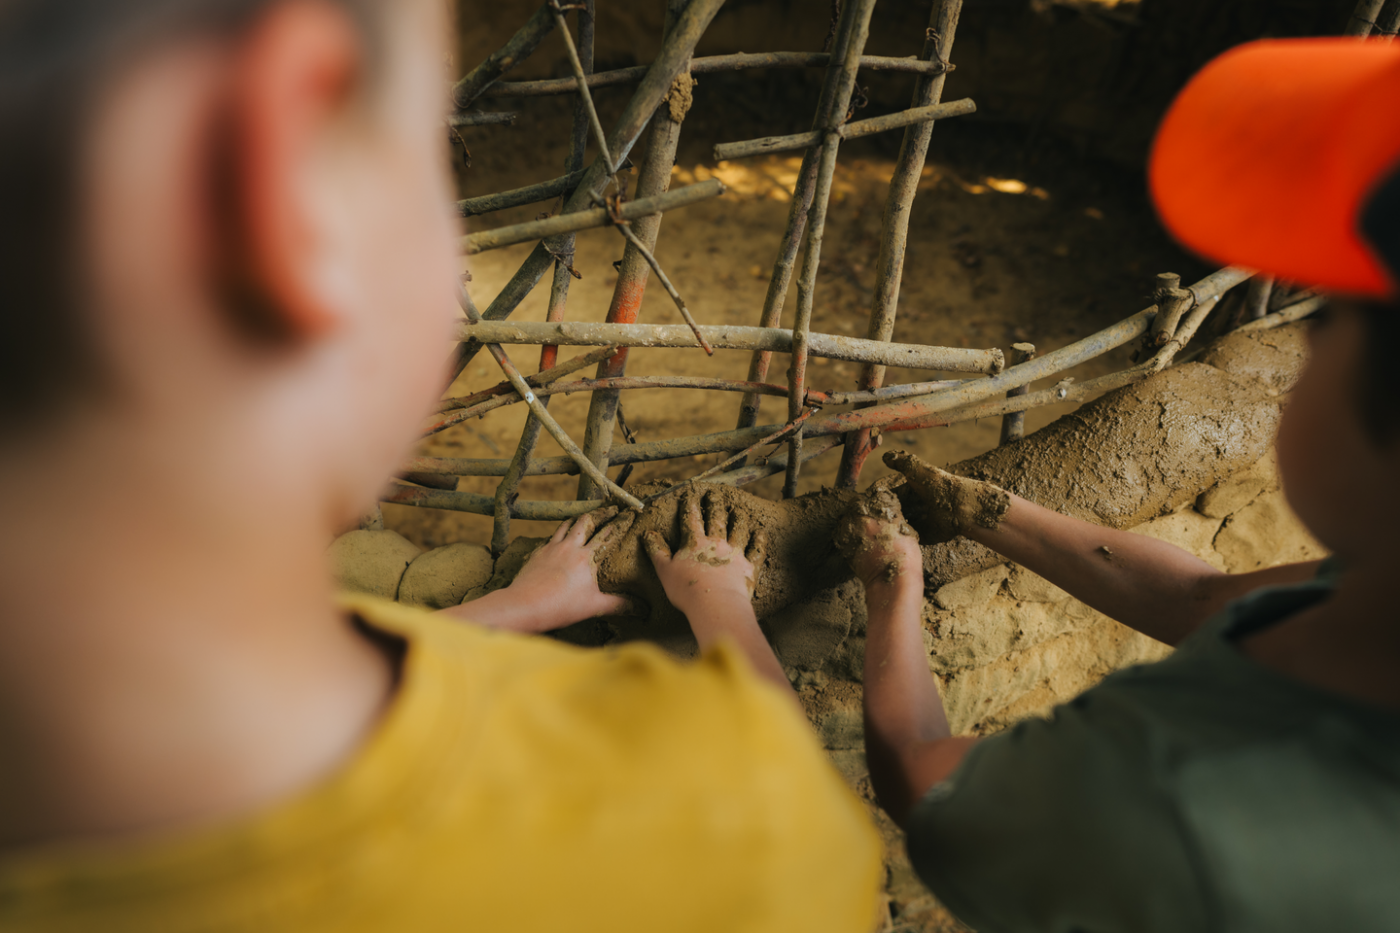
pixel 563 529
pixel 716 516
pixel 739 533
pixel 587 524
pixel 656 547
pixel 757 550
pixel 692 525
pixel 611 533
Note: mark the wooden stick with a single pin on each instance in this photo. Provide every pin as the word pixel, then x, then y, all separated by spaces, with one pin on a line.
pixel 727 337
pixel 882 124
pixel 481 119
pixel 832 112
pixel 709 65
pixel 575 221
pixel 525 41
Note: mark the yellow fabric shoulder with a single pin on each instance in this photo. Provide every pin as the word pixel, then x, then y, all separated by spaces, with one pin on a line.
pixel 515 784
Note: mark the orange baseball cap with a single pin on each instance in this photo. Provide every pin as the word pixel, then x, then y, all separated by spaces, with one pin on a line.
pixel 1284 156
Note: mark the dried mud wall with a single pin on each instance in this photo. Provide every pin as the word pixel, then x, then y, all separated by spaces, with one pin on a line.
pixel 1185 457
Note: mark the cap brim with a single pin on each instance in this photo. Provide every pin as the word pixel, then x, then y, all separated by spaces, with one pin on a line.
pixel 1268 157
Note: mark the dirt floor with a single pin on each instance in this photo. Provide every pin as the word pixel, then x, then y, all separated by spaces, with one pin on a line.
pixel 1012 238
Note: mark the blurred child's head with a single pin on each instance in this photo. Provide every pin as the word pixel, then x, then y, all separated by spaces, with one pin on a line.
pixel 1281 156
pixel 226 223
pixel 1339 440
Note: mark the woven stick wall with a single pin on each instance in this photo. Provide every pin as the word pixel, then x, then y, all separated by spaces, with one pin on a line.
pixel 817 422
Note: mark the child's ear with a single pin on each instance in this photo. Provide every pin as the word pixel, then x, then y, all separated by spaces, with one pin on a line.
pixel 292 74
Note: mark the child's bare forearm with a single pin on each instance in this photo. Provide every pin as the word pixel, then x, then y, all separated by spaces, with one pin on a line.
pixel 907 743
pixel 731 617
pixel 1149 585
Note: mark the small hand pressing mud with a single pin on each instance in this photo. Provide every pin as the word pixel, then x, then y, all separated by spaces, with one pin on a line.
pixel 798 558
pixel 709 545
pixel 942 506
pixel 876 540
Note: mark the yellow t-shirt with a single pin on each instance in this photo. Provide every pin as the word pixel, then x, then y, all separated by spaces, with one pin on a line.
pixel 515 784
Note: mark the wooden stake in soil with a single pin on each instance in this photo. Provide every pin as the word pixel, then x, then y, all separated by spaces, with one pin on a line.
pixel 653 181
pixel 1013 425
pixel 894 229
pixel 832 112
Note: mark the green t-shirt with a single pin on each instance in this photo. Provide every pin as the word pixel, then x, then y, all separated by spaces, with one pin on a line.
pixel 1202 793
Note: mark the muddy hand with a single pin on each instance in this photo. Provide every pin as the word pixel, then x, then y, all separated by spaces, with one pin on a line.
pixel 876 541
pixel 562 575
pixel 942 505
pixel 720 554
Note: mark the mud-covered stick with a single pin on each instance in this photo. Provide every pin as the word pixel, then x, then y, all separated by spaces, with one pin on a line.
pixel 882 124
pixel 894 226
pixel 832 112
pixel 1184 332
pixel 524 42
pixel 508 490
pixel 575 221
pixel 711 64
pixel 518 197
pixel 1013 424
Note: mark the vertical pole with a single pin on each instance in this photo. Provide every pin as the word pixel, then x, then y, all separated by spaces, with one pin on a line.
pixel 802 193
pixel 894 235
pixel 654 179
pixel 773 301
pixel 1256 301
pixel 1013 425
pixel 509 488
pixel 836 101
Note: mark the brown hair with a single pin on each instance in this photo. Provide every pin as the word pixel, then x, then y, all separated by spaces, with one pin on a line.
pixel 54 54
